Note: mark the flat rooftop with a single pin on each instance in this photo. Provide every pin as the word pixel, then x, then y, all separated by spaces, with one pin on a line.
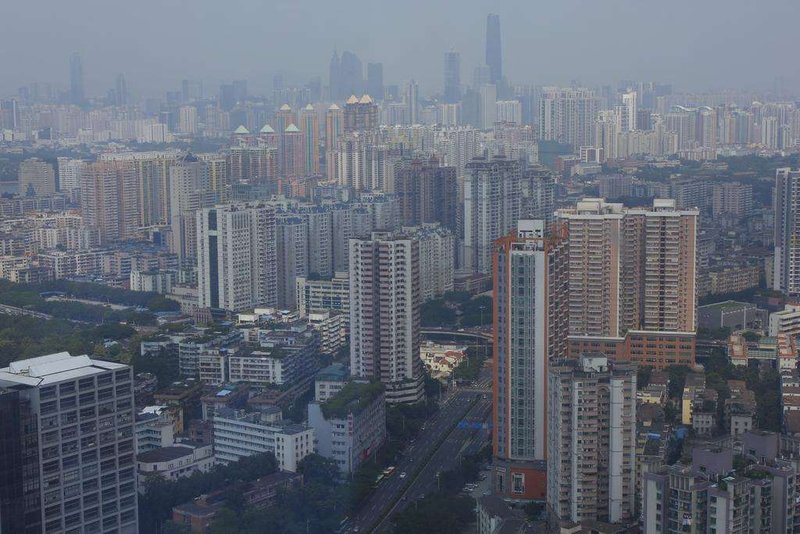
pixel 52 369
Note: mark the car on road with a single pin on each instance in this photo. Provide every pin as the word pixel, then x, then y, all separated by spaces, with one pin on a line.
pixel 403 474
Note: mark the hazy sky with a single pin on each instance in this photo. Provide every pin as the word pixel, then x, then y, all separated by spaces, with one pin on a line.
pixel 696 44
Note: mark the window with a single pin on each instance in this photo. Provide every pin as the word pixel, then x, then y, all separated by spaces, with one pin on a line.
pixel 518 483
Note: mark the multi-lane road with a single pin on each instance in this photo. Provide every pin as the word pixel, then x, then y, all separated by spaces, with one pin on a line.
pixel 438 448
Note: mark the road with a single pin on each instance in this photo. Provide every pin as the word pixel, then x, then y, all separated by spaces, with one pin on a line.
pixel 458 444
pixel 439 447
pixel 13 310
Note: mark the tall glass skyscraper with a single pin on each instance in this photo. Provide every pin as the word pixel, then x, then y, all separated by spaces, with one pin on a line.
pixel 494 52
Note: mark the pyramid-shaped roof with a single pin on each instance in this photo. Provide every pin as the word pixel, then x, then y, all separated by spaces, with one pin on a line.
pixel 292 128
pixel 352 100
pixel 286 107
pixel 267 129
pixel 241 130
pixel 365 99
pixel 334 107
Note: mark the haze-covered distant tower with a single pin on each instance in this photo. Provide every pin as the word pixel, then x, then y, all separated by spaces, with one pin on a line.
pixel 76 93
pixel 309 125
pixel 121 91
pixel 494 52
pixel 452 77
pixel 412 102
pixel 375 80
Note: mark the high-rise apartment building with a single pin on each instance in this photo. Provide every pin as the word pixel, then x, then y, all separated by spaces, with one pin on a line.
pixel 110 199
pixel 292 255
pixel 189 191
pixel 591 440
pixel 334 128
pixel 36 178
pixel 384 314
pixel 494 51
pixel 426 193
pixel 237 265
pixel 568 116
pixel 68 455
pixel 786 276
pixel 492 203
pixel 69 174
pixel 309 126
pixel 452 77
pixel 360 114
pixel 530 328
pixel 633 271
pixel 292 160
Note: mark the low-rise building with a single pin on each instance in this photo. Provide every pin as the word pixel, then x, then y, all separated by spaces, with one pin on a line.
pixel 441 360
pixel 786 321
pixel 153 281
pixel 329 381
pixel 238 434
pixel 732 315
pixel 174 462
pixel 259 494
pixel 351 425
pixel 155 428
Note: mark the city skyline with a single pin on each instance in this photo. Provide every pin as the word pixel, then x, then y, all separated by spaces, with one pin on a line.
pixel 683 47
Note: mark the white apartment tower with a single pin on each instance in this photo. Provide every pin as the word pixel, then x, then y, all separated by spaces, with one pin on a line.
pixel 237 266
pixel 384 314
pixel 591 434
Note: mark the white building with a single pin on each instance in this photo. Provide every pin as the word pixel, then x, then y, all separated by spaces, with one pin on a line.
pixel 351 425
pixel 384 314
pixel 155 428
pixel 591 434
pixel 329 381
pixel 189 191
pixel 786 321
pixel 236 256
pixel 239 434
pixel 153 281
pixel 323 295
pixel 172 463
pixel 509 111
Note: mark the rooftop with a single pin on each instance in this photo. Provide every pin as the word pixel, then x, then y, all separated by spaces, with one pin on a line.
pixel 164 454
pixel 352 398
pixel 53 368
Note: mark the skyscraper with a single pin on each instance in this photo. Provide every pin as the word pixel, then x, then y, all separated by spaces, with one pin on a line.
pixel 309 126
pixel 346 75
pixel 120 90
pixel 633 280
pixel 334 128
pixel 76 91
pixel 292 256
pixel 568 116
pixel 375 80
pixel 360 114
pixel 110 199
pixel 787 231
pixel 384 314
pixel 68 446
pixel 452 77
pixel 237 260
pixel 426 193
pixel 530 327
pixel 591 440
pixel 412 102
pixel 492 203
pixel 494 52
pixel 189 190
